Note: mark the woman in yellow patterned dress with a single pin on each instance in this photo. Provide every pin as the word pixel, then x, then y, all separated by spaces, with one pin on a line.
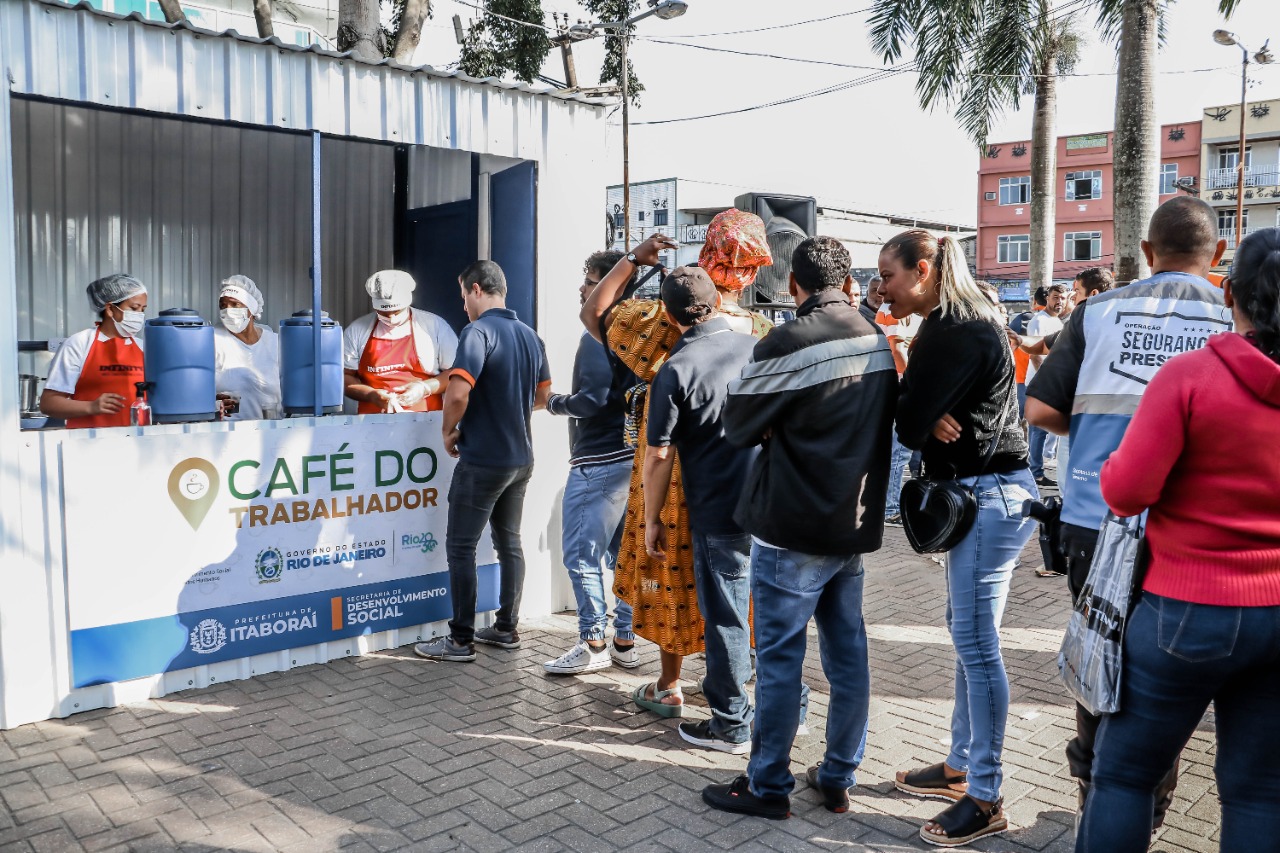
pixel 662 594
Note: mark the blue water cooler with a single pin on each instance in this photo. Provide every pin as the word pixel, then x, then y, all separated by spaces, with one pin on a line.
pixel 179 364
pixel 297 364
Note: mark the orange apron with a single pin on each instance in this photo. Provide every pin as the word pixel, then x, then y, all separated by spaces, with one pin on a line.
pixel 111 367
pixel 386 365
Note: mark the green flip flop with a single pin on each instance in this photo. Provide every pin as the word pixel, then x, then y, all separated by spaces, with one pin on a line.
pixel 656 705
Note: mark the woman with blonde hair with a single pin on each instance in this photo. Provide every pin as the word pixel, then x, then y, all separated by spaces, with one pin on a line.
pixel 662 594
pixel 959 406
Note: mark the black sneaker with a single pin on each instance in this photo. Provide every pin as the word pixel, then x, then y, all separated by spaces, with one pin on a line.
pixel 1046 482
pixel 700 734
pixel 737 797
pixel 834 799
pixel 445 649
pixel 894 520
pixel 502 639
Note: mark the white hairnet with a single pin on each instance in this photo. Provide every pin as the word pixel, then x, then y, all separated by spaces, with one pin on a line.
pixel 390 290
pixel 111 289
pixel 242 289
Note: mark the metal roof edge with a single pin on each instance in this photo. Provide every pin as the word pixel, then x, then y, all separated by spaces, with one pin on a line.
pixel 430 70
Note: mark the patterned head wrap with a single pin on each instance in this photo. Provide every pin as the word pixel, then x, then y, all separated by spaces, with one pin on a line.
pixel 735 250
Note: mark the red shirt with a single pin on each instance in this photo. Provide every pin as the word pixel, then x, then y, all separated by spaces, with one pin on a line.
pixel 1200 454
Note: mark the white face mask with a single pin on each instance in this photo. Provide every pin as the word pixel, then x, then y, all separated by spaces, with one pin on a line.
pixel 394 321
pixel 236 320
pixel 131 325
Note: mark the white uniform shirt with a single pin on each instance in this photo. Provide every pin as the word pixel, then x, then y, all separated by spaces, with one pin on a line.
pixel 251 373
pixel 1040 325
pixel 68 361
pixel 434 340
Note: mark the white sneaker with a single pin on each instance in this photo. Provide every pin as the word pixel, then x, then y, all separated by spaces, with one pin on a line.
pixel 580 658
pixel 625 658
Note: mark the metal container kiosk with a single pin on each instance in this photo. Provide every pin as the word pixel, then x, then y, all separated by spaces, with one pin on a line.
pixel 139 562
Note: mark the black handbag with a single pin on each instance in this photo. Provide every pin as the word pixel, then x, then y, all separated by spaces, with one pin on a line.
pixel 937 514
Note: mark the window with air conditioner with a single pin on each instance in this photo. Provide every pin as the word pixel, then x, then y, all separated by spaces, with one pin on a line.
pixel 1168 179
pixel 1082 186
pixel 1015 190
pixel 1082 246
pixel 1013 249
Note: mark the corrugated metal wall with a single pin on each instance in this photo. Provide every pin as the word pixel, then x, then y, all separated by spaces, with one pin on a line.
pixel 182 205
pixel 72 55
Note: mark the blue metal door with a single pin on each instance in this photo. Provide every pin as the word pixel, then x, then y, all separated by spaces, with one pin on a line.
pixel 513 204
pixel 441 243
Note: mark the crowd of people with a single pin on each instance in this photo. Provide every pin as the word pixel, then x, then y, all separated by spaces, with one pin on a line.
pixel 733 475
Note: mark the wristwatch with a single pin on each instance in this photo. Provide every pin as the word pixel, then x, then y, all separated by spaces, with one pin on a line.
pixel 631 256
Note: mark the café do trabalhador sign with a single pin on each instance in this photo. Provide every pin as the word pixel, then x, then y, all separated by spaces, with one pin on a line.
pixel 190 549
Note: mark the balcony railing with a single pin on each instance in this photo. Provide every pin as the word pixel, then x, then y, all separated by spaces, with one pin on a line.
pixel 1257 176
pixel 1229 234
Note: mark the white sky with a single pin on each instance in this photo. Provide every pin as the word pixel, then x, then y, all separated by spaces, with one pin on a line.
pixel 870 146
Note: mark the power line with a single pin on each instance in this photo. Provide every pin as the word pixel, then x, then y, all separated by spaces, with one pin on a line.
pixel 776 26
pixel 833 64
pixel 1060 12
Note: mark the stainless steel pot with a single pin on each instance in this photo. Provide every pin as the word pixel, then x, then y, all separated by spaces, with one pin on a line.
pixel 29 392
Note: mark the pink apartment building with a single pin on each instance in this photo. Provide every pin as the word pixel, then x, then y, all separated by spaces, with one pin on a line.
pixel 1084 200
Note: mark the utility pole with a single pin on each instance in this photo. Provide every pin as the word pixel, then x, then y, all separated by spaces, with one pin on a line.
pixel 1262 57
pixel 626 145
pixel 564 40
pixel 666 10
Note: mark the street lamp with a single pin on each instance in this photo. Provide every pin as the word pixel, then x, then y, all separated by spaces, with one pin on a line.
pixel 1262 57
pixel 665 10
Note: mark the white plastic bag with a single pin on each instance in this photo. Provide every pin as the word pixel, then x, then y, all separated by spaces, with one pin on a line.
pixel 1090 660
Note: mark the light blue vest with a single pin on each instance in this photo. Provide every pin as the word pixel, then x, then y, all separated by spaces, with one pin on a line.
pixel 1128 333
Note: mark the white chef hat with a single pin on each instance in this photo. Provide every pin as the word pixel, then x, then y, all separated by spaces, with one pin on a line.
pixel 242 289
pixel 390 290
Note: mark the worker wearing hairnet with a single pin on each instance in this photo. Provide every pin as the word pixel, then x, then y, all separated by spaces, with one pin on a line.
pixel 395 356
pixel 92 381
pixel 246 355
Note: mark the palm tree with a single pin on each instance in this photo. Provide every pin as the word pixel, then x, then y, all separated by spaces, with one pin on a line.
pixel 1136 25
pixel 983 56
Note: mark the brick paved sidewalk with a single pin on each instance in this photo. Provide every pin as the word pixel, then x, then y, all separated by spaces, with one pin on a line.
pixel 390 752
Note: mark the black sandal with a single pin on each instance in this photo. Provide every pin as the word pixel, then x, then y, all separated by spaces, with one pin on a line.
pixel 964 822
pixel 933 781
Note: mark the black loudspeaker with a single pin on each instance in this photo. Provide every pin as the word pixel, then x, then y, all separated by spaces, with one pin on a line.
pixel 788 220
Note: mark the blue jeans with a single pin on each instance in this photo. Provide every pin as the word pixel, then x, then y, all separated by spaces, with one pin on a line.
pixel 790 588
pixel 1179 657
pixel 978 573
pixel 480 495
pixel 722 572
pixel 595 500
pixel 898 462
pixel 1039 443
pixel 1022 400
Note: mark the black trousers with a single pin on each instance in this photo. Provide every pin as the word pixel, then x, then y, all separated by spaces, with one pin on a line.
pixel 1079 543
pixel 480 495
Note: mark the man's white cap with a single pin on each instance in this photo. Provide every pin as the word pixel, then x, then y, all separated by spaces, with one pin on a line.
pixel 390 290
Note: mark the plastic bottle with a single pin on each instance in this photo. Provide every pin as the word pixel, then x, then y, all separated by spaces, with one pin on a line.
pixel 140 411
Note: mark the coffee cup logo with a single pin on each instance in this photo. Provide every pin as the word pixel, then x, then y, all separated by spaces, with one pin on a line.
pixel 193 486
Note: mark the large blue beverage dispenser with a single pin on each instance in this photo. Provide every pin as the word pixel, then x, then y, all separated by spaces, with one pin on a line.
pixel 297 364
pixel 179 362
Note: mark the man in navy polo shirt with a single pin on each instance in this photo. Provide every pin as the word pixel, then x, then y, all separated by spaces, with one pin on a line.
pixel 500 375
pixel 686 402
